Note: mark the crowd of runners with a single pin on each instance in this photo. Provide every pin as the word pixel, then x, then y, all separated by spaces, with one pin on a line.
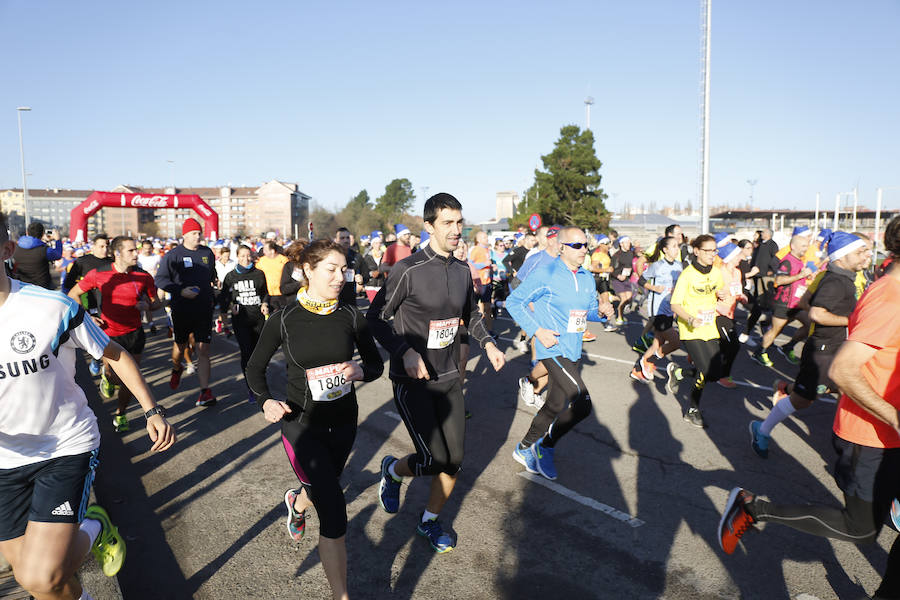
pixel 430 297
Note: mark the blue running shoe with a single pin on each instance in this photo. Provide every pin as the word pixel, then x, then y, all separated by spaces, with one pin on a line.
pixel 543 456
pixel 758 441
pixel 524 457
pixel 895 514
pixel 389 488
pixel 434 533
pixel 95 367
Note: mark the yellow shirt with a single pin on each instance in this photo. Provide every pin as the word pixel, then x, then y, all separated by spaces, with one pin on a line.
pixel 695 292
pixel 272 268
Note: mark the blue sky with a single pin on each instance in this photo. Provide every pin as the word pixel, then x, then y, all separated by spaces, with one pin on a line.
pixel 462 97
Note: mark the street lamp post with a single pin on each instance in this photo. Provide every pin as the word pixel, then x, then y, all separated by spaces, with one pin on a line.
pixel 19 112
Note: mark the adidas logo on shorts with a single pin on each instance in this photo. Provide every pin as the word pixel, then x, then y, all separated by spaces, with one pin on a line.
pixel 63 510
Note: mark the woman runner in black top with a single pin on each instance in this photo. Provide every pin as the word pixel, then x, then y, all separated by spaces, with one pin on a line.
pixel 245 295
pixel 318 420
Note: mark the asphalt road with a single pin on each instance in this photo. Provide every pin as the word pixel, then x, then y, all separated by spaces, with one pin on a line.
pixel 633 514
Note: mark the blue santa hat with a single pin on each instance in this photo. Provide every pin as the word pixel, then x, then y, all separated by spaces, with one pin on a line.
pixel 623 238
pixel 601 239
pixel 377 234
pixel 518 236
pixel 729 252
pixel 824 236
pixel 424 237
pixel 364 239
pixel 723 238
pixel 400 229
pixel 841 244
pixel 801 230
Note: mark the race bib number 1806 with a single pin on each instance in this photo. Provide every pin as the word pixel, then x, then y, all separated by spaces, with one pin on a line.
pixel 442 333
pixel 327 383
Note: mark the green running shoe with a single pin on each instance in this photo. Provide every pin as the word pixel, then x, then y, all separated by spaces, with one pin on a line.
pixel 120 423
pixel 762 358
pixel 107 389
pixel 109 547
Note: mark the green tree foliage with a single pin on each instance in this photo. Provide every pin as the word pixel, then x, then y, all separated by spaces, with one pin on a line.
pixel 324 221
pixel 361 200
pixel 567 191
pixel 397 199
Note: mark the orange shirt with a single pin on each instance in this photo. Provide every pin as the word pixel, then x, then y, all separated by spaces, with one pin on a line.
pixel 874 323
pixel 482 256
pixel 272 268
pixel 731 276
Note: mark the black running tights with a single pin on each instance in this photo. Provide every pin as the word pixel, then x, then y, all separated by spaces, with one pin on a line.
pixel 568 403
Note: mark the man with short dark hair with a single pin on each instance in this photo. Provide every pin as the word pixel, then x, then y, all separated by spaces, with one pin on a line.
pixel 356 274
pixel 32 256
pixel 98 257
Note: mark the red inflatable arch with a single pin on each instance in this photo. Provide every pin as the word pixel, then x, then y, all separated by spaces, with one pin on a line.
pixel 97 200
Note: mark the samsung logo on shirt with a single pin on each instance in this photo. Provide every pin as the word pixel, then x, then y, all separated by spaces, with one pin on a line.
pixel 24 367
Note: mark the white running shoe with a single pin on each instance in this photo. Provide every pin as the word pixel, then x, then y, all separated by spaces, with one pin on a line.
pixel 743 338
pixel 526 391
pixel 521 346
pixel 189 368
pixel 539 400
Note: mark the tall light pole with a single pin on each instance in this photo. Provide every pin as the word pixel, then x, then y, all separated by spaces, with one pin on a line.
pixel 752 183
pixel 704 162
pixel 587 107
pixel 19 112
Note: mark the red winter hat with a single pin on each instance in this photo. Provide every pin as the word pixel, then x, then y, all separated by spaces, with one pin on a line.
pixel 190 225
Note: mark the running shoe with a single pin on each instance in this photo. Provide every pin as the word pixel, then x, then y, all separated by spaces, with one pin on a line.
pixel 543 456
pixel 152 329
pixel 640 346
pixel 189 368
pixel 762 358
pixel 742 338
pixel 205 398
pixel 637 375
pixel 792 357
pixel 695 418
pixel 735 519
pixel 727 383
pixel 587 336
pixel 389 488
pixel 521 346
pixel 296 521
pixel 524 457
pixel 620 322
pixel 539 400
pixel 175 379
pixel 758 441
pixel 109 547
pixel 107 389
pixel 526 391
pixel 822 389
pixel 120 423
pixel 94 367
pixel 434 533
pixel 673 376
pixel 610 327
pixel 647 368
pixel 895 514
pixel 468 414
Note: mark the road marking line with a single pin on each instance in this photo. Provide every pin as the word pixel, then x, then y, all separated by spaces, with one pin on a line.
pixel 393 415
pixel 612 359
pixel 589 502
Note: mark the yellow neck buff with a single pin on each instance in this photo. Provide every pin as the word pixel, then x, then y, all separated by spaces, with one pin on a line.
pixel 320 307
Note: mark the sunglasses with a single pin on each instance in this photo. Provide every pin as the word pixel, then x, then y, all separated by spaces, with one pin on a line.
pixel 574 245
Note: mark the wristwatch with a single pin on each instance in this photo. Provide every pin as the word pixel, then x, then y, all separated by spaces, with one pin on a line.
pixel 156 410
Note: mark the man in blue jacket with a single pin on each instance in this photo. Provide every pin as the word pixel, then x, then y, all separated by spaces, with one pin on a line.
pixel 32 256
pixel 565 299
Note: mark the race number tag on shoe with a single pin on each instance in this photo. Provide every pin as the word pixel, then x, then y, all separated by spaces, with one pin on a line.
pixel 442 333
pixel 327 383
pixel 577 321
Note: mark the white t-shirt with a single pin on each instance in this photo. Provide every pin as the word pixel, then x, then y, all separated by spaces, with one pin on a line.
pixel 149 263
pixel 222 269
pixel 43 412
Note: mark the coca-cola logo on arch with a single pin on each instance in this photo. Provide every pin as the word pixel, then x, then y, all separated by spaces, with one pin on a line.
pixel 90 208
pixel 151 202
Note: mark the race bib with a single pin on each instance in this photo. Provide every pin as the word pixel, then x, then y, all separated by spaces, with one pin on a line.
pixel 707 317
pixel 327 383
pixel 297 274
pixel 735 288
pixel 442 333
pixel 626 272
pixel 188 263
pixel 577 321
pixel 801 289
pixel 349 275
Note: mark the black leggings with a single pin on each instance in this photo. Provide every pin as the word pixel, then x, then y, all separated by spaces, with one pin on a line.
pixel 728 345
pixel 435 417
pixel 707 359
pixel 318 455
pixel 568 403
pixel 870 479
pixel 247 333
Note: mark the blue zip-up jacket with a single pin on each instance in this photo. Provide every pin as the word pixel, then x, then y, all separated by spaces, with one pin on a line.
pixel 54 252
pixel 556 291
pixel 533 263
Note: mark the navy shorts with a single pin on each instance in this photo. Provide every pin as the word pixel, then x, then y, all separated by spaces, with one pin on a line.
pixel 868 473
pixel 197 322
pixel 51 491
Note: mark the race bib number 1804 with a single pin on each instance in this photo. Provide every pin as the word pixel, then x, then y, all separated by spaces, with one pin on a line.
pixel 327 383
pixel 442 333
